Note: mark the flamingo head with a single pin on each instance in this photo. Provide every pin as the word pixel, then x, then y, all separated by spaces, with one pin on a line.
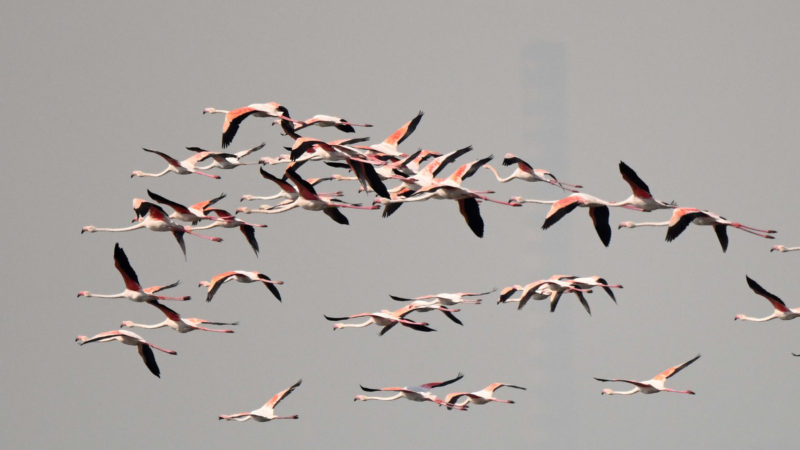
pixel 210 110
pixel 81 339
pixel 515 199
pixel 626 225
pixel 738 317
pixel 606 392
pixel 360 397
pixel 778 248
pixel 203 283
pixel 125 323
pixel 336 326
pixel 83 294
pixel 136 173
pixel 88 229
pixel 243 210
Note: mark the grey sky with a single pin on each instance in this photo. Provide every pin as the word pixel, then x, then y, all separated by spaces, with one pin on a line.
pixel 700 99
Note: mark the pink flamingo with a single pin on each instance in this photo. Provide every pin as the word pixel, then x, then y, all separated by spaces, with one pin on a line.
pixel 234 118
pixel 193 213
pixel 389 145
pixel 242 276
pixel 651 386
pixel 384 318
pixel 227 161
pixel 526 172
pixel 228 220
pixel 130 338
pixel 133 290
pixel 682 217
pixel 309 199
pixel 154 218
pixel 421 393
pixel 481 397
pixel 447 298
pixel 323 120
pixel 781 311
pixel 641 198
pixel 178 323
pixel 266 412
pixel 184 167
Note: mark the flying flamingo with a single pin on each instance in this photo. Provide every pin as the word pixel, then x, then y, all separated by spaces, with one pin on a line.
pixel 228 220
pixel 184 167
pixel 288 192
pixel 224 160
pixel 242 276
pixel 783 248
pixel 596 281
pixel 682 217
pixel 384 318
pixel 308 199
pixel 235 117
pixel 307 149
pixel 651 386
pixel 451 189
pixel 481 397
pixel 193 213
pixel 421 393
pixel 598 211
pixel 552 287
pixel 130 338
pixel 447 298
pixel 389 145
pixel 133 290
pixel 781 311
pixel 323 120
pixel 641 198
pixel 430 305
pixel 178 323
pixel 266 412
pixel 154 218
pixel 423 177
pixel 526 172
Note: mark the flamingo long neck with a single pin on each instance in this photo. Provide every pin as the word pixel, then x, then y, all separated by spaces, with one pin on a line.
pixel 394 397
pixel 497 175
pixel 758 319
pixel 119 295
pixel 142 325
pixel 532 200
pixel 632 391
pixel 357 325
pixel 159 174
pixel 650 224
pixel 118 230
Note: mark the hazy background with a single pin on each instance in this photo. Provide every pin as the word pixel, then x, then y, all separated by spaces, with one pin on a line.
pixel 700 98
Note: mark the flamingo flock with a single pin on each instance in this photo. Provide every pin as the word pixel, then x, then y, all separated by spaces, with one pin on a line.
pixel 395 178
